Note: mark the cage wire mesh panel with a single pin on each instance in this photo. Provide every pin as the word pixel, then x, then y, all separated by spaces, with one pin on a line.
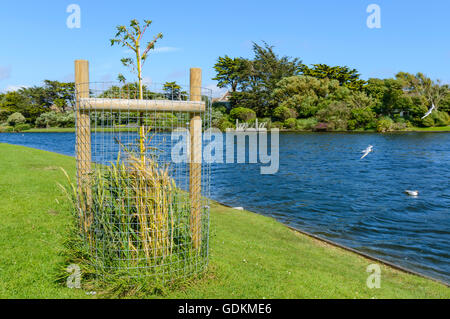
pixel 141 213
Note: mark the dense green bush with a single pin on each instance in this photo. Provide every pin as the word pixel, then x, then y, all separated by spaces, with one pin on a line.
pixel 66 119
pixel 385 124
pixel 282 113
pixel 6 129
pixel 4 115
pixel 428 121
pixel 46 120
pixel 22 127
pixel 306 124
pixel 220 106
pixel 336 115
pixel 56 119
pixel 278 125
pixel 267 121
pixel 440 118
pixel 216 117
pixel 362 118
pixel 242 114
pixel 163 120
pixel 16 119
pixel 290 123
pixel 224 123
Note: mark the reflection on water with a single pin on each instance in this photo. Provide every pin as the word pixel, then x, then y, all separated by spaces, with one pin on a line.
pixel 323 187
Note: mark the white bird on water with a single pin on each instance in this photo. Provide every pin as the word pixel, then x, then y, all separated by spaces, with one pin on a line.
pixel 412 193
pixel 429 111
pixel 367 151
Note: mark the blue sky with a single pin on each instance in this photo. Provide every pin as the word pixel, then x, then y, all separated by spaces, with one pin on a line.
pixel 37 45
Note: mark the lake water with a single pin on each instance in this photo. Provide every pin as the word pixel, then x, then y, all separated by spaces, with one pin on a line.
pixel 324 188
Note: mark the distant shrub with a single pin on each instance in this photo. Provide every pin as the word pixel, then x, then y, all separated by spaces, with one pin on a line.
pixel 242 113
pixel 4 115
pixel 283 113
pixel 163 120
pixel 224 123
pixel 66 119
pixel 306 124
pixel 290 123
pixel 22 127
pixel 428 121
pixel 440 118
pixel 216 117
pixel 385 124
pixel 278 125
pixel 267 121
pixel 45 120
pixel 16 119
pixel 323 127
pixel 336 115
pixel 219 106
pixel 6 129
pixel 361 117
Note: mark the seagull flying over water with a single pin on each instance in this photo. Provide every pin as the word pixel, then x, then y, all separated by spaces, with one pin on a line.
pixel 367 151
pixel 429 111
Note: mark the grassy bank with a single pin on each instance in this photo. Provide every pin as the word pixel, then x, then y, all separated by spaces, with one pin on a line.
pixel 252 256
pixel 431 129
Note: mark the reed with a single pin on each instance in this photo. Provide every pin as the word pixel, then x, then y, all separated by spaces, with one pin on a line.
pixel 137 219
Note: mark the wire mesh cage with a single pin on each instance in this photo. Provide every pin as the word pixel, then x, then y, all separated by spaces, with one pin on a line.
pixel 141 212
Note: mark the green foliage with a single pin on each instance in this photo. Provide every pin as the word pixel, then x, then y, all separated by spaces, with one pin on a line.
pixel 216 117
pixel 56 119
pixel 224 123
pixel 277 124
pixel 261 76
pixel 130 37
pixel 440 118
pixel 445 104
pixel 32 102
pixel 16 119
pixel 174 92
pixel 230 72
pixel 283 113
pixel 336 115
pixel 302 93
pixel 162 121
pixel 22 127
pixel 290 123
pixel 428 121
pixel 385 124
pixel 362 118
pixel 344 75
pixel 306 124
pixel 242 114
pixel 6 129
pixel 219 106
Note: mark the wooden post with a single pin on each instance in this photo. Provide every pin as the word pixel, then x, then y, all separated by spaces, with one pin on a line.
pixel 83 138
pixel 195 166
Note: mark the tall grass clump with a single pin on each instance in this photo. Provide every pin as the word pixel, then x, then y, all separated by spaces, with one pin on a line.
pixel 133 221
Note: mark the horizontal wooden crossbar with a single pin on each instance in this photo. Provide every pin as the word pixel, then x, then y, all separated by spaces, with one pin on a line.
pixel 141 105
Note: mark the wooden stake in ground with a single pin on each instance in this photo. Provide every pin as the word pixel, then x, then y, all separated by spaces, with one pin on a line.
pixel 195 166
pixel 83 137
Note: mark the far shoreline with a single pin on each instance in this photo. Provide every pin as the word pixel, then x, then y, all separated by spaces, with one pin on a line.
pixel 437 129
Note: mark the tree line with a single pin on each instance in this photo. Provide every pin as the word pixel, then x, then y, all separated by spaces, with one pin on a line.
pixel 53 105
pixel 286 93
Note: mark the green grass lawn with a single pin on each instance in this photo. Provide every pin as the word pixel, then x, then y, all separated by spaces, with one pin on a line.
pixel 252 256
pixel 431 129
